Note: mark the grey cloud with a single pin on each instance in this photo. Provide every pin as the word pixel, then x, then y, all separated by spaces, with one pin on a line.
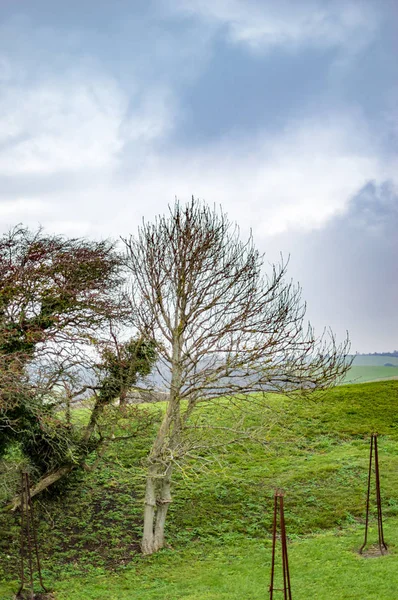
pixel 349 269
pixel 374 210
pixel 133 69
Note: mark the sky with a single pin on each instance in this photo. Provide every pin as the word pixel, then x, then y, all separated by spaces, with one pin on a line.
pixel 284 113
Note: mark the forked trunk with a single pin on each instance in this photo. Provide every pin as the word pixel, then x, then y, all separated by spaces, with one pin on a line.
pixel 157 493
pixel 157 500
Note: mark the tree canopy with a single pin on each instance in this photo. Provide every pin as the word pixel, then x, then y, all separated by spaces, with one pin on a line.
pixel 58 298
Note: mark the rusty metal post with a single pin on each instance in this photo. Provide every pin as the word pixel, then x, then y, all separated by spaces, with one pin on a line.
pixel 278 507
pixel 382 544
pixel 28 535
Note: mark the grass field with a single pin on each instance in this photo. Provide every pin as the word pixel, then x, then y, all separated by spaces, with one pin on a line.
pixel 220 521
pixel 370 367
pixel 325 566
pixel 362 373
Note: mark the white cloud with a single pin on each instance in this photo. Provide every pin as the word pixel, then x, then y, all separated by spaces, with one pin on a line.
pixel 295 180
pixel 100 157
pixel 57 127
pixel 77 122
pixel 264 24
pixel 86 153
pixel 111 170
pixel 13 210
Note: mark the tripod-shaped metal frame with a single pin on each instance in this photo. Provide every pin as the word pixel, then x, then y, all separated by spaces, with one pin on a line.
pixel 278 507
pixel 382 545
pixel 28 534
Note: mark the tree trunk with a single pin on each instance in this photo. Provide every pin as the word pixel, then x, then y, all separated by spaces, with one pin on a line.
pixel 42 484
pixel 157 500
pixel 95 414
pixel 67 409
pixel 123 397
pixel 147 543
pixel 157 494
pixel 51 478
pixel 163 502
pixel 155 488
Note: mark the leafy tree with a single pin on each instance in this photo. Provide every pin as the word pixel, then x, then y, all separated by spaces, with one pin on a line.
pixel 223 330
pixel 123 363
pixel 57 298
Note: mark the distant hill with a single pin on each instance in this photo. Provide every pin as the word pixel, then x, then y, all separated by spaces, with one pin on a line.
pixel 372 367
pixel 375 360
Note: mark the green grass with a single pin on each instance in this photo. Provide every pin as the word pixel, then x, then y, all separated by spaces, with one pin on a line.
pixel 361 374
pixel 220 520
pixel 326 566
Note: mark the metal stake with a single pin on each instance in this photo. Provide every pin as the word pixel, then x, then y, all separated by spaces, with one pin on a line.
pixel 28 534
pixel 382 545
pixel 287 593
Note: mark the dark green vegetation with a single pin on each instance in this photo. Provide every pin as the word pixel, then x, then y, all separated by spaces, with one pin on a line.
pixel 55 293
pixel 61 312
pixel 220 521
pixel 123 366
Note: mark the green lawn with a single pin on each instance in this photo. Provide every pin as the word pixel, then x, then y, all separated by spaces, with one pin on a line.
pixel 220 520
pixel 325 566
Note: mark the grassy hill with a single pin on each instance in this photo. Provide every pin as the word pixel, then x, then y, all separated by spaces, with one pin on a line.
pixel 221 517
pixel 374 360
pixel 361 374
pixel 370 367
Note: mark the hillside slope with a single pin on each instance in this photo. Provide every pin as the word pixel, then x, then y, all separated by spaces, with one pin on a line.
pixel 316 449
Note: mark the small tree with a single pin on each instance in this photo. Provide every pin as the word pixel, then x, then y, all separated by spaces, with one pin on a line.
pixel 223 329
pixel 122 364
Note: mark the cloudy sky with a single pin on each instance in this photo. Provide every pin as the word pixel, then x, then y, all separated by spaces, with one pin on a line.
pixel 285 113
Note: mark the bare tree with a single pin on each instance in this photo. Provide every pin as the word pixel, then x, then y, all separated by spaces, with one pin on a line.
pixel 222 327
